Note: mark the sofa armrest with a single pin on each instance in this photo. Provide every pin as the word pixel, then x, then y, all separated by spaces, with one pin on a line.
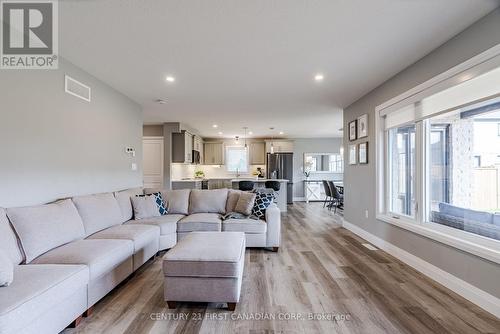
pixel 273 220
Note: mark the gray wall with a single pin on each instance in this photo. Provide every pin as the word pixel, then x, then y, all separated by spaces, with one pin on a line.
pixel 360 179
pixel 54 145
pixel 312 145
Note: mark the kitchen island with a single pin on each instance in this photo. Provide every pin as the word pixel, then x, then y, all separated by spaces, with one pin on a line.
pixel 222 182
pixel 260 183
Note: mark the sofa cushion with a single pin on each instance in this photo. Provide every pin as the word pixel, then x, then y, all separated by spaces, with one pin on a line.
pixel 232 198
pixel 101 256
pixel 44 227
pixel 98 211
pixel 6 269
pixel 206 254
pixel 124 201
pixel 200 222
pixel 244 225
pixel 245 203
pixel 141 235
pixel 146 206
pixel 36 290
pixel 177 200
pixel 208 201
pixel 167 223
pixel 8 240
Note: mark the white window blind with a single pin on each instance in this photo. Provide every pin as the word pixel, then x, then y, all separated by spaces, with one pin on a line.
pixel 464 93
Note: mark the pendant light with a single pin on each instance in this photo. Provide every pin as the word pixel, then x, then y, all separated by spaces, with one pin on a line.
pixel 272 142
pixel 245 137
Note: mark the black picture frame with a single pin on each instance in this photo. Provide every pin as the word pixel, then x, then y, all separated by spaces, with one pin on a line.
pixel 363 153
pixel 353 130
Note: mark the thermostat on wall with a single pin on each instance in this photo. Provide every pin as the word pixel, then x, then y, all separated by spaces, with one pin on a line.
pixel 130 151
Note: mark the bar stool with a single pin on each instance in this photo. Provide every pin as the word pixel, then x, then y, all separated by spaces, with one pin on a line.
pixel 274 185
pixel 246 185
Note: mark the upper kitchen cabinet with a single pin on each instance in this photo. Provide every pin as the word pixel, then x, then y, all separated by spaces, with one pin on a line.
pixel 257 153
pixel 182 147
pixel 198 146
pixel 279 146
pixel 214 153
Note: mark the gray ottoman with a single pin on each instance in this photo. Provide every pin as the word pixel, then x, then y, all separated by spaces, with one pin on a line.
pixel 205 267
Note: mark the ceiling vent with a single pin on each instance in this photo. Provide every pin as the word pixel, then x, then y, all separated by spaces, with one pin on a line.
pixel 76 88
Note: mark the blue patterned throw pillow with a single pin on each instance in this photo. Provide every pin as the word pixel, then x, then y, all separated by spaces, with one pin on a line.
pixel 262 202
pixel 162 208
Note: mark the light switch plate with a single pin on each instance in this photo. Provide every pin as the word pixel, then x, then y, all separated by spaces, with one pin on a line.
pixel 134 166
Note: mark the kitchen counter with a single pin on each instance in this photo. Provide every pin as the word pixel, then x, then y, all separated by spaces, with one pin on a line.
pixel 281 201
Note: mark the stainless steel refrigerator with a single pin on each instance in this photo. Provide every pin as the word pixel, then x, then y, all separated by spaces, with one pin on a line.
pixel 280 166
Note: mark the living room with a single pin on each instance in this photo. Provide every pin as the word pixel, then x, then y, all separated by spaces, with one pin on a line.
pixel 237 167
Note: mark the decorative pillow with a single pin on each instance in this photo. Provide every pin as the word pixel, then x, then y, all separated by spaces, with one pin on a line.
pixel 6 270
pixel 245 203
pixel 148 206
pixel 262 202
pixel 232 198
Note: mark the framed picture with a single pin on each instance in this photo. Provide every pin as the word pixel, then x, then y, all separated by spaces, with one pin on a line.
pixel 363 153
pixel 353 130
pixel 352 155
pixel 363 126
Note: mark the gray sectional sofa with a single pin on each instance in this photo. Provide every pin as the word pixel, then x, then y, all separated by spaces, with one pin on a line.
pixel 71 253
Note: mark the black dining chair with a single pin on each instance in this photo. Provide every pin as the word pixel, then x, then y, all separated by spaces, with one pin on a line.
pixel 328 193
pixel 338 198
pixel 246 185
pixel 274 185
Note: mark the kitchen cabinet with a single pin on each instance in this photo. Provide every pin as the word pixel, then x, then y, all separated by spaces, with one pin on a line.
pixel 198 146
pixel 219 183
pixel 257 153
pixel 214 153
pixel 182 147
pixel 279 146
pixel 186 184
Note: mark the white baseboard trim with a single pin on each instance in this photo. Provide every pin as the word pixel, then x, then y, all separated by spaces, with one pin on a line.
pixel 299 199
pixel 475 295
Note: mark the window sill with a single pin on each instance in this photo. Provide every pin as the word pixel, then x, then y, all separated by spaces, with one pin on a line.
pixel 461 240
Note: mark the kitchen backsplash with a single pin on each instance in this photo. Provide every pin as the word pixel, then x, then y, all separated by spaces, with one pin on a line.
pixel 182 171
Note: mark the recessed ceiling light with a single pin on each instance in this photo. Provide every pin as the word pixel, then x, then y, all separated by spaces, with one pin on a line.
pixel 220 132
pixel 170 78
pixel 282 133
pixel 319 77
pixel 215 126
pixel 250 133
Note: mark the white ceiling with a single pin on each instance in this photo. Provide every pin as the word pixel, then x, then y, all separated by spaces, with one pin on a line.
pixel 251 63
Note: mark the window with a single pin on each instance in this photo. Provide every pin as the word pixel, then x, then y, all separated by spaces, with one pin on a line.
pixel 469 198
pixel 439 159
pixel 336 163
pixel 402 170
pixel 237 159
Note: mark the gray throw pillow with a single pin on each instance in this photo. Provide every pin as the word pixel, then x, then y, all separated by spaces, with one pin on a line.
pixel 232 198
pixel 145 207
pixel 245 203
pixel 6 270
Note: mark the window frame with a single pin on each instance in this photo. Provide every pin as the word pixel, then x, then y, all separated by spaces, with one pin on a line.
pixel 478 245
pixel 242 148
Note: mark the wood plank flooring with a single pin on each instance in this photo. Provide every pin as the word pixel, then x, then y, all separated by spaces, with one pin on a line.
pixel 321 271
